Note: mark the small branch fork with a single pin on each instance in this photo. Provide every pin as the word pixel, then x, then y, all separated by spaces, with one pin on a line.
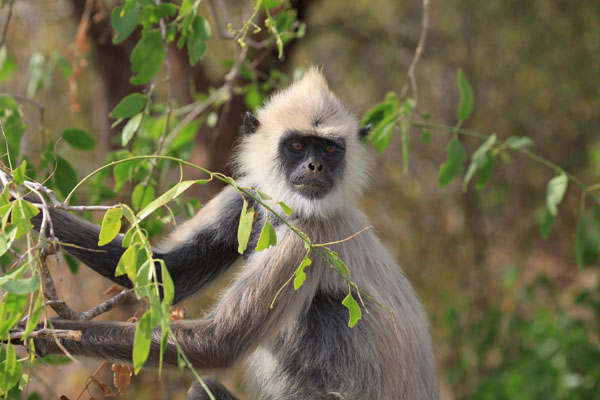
pixel 60 307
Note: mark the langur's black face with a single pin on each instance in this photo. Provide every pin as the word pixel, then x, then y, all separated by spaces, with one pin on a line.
pixel 312 164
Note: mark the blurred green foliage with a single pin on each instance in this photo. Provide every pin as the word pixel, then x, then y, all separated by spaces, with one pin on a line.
pixel 529 346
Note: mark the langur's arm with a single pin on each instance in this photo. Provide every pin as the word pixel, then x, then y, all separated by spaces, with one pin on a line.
pixel 198 252
pixel 240 322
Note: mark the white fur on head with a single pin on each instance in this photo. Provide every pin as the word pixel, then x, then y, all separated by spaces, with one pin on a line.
pixel 306 107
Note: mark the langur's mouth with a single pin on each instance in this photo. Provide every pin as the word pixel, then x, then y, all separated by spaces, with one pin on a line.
pixel 314 189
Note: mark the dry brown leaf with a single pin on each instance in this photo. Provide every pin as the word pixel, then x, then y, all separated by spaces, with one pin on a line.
pixel 107 390
pixel 114 289
pixel 177 313
pixel 121 376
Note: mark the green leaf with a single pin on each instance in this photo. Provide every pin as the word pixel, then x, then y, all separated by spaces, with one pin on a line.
pixel 79 139
pixel 185 137
pixel 65 177
pixel 127 263
pixel 196 50
pixel 466 97
pixel 11 310
pixel 252 96
pixel 125 22
pixel 131 128
pixel 19 173
pixel 245 227
pixel 267 238
pixel 35 315
pixel 167 282
pixel 405 148
pixel 21 216
pixel 479 159
pixel 286 209
pixel 142 341
pixel 15 285
pixel 111 225
pixel 300 275
pixel 147 57
pixel 129 106
pixel 167 196
pixel 10 369
pixel 485 172
pixel 518 142
pixel 425 137
pixel 142 195
pixel 353 308
pixel 580 240
pixel 546 223
pixel 337 261
pixel 64 66
pixel 72 263
pixel 455 165
pixel 381 137
pixel 555 192
pixel 13 126
pixel 263 195
pixel 8 64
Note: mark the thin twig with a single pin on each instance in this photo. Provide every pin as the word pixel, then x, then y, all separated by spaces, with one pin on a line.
pixel 8 17
pixel 417 55
pixel 230 80
pixel 108 305
pixel 7 149
pixel 163 32
pixel 33 102
pixel 49 290
pixel 224 34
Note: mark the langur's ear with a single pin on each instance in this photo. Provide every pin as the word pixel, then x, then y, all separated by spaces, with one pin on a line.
pixel 249 123
pixel 364 131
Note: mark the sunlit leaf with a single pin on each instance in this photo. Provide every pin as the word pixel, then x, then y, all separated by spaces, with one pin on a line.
pixel 127 263
pixel 286 209
pixel 167 196
pixel 353 309
pixel 11 309
pixel 10 369
pixel 131 128
pixel 245 227
pixel 142 341
pixel 111 225
pixel 167 282
pixel 19 173
pixel 142 195
pixel 555 192
pixel 518 142
pixel 267 238
pixel 300 275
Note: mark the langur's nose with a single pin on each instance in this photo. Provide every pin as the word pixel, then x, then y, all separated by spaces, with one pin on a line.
pixel 315 166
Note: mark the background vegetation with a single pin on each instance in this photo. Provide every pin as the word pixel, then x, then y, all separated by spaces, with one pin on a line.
pixel 513 314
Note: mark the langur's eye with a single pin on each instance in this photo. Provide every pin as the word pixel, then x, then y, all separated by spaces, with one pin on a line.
pixel 330 149
pixel 296 146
